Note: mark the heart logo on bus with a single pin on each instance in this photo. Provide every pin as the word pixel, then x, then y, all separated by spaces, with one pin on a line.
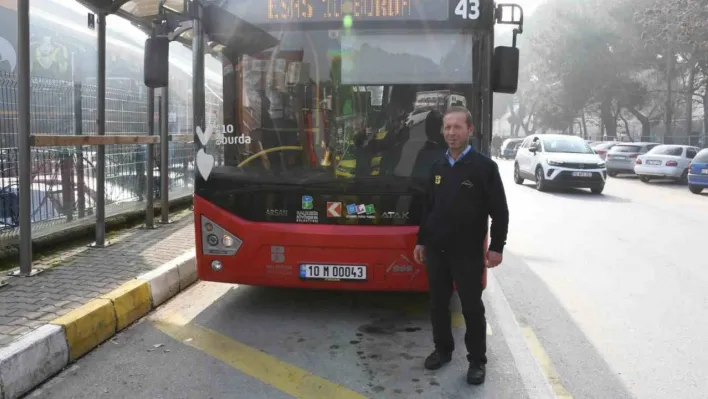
pixel 204 136
pixel 205 163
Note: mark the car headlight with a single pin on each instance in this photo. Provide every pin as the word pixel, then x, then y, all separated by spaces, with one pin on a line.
pixel 554 163
pixel 601 165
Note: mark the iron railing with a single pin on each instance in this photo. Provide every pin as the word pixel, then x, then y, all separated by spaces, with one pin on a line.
pixel 63 181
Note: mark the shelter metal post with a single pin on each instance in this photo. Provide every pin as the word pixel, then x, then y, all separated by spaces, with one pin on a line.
pixel 101 131
pixel 78 130
pixel 24 153
pixel 150 159
pixel 150 164
pixel 198 96
pixel 164 157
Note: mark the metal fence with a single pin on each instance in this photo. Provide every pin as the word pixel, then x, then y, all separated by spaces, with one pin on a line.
pixel 64 178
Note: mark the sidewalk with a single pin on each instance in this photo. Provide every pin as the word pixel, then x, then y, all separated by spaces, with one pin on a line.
pixel 78 275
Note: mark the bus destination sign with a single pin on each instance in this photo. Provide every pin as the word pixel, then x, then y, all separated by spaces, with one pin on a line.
pixel 357 10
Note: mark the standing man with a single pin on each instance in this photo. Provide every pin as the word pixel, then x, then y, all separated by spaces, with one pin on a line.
pixel 464 190
pixel 496 146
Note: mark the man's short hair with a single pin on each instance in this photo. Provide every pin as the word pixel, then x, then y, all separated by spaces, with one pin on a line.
pixel 462 110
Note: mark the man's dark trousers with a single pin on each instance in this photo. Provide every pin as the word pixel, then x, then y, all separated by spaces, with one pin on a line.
pixel 465 270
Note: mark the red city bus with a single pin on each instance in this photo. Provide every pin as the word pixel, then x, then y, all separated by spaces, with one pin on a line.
pixel 321 184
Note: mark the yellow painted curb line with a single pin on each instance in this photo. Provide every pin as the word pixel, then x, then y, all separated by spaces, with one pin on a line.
pixel 88 326
pixel 131 301
pixel 545 363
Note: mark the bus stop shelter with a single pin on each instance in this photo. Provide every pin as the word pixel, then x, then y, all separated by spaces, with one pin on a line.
pixel 202 25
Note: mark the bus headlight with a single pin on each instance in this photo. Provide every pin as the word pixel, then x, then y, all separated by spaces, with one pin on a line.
pixel 216 240
pixel 228 241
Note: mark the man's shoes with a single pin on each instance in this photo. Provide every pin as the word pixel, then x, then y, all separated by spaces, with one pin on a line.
pixel 437 359
pixel 476 373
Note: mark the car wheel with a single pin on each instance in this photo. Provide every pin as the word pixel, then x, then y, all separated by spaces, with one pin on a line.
pixel 598 190
pixel 612 173
pixel 645 179
pixel 517 175
pixel 695 189
pixel 540 181
pixel 684 177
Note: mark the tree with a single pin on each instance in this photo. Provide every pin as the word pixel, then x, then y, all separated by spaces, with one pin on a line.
pixel 572 59
pixel 593 57
pixel 679 32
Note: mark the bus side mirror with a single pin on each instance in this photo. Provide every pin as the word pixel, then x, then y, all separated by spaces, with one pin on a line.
pixel 505 70
pixel 156 68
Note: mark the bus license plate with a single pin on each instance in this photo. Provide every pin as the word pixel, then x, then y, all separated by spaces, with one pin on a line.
pixel 582 174
pixel 332 272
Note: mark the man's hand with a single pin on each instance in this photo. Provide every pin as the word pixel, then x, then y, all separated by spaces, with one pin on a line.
pixel 419 254
pixel 494 259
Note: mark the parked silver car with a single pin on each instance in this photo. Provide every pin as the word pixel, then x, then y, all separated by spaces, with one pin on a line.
pixel 666 161
pixel 601 149
pixel 621 157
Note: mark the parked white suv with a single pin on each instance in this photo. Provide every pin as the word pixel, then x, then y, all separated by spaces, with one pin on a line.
pixel 554 160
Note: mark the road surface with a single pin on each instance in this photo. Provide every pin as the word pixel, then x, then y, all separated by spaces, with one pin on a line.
pixel 598 297
pixel 613 285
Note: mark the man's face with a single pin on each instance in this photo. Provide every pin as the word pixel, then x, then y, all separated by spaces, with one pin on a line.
pixel 456 130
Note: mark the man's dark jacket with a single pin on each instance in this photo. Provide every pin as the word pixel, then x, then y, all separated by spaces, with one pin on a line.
pixel 459 201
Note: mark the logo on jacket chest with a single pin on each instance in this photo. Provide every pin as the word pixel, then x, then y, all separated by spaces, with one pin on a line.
pixel 438 179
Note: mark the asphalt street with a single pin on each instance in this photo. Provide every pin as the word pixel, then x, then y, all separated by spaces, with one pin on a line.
pixel 598 297
pixel 613 285
pixel 222 341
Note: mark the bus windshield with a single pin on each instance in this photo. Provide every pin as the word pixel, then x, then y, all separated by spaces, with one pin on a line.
pixel 342 104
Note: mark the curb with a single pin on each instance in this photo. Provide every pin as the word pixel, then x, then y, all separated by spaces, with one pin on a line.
pixel 44 352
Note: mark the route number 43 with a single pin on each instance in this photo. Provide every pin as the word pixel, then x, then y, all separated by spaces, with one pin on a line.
pixel 467 9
